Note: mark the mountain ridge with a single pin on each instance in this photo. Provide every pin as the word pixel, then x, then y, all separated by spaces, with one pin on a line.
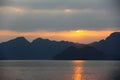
pixel 109 49
pixel 21 48
pixel 44 49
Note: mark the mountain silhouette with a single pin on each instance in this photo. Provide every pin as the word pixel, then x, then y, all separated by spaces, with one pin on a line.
pixel 15 49
pixel 45 49
pixel 48 48
pixel 20 48
pixel 110 46
pixel 108 49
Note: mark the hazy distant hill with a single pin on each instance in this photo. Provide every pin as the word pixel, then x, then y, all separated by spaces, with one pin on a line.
pixel 20 48
pixel 85 53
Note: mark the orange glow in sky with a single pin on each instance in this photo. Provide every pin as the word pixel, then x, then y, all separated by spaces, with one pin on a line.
pixel 81 36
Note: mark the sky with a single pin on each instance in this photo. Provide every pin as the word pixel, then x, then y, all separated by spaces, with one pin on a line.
pixel 69 20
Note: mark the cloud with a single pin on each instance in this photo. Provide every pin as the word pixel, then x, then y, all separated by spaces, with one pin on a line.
pixel 58 4
pixel 57 15
pixel 11 10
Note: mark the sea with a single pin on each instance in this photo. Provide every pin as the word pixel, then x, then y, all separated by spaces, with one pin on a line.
pixel 59 70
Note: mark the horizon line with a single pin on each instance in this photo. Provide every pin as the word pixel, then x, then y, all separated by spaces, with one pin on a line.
pixel 76 36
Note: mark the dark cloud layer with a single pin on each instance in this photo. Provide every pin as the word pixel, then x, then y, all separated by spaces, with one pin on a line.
pixel 56 4
pixel 29 15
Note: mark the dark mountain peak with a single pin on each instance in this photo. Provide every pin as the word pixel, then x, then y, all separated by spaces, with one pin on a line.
pixel 20 40
pixel 17 40
pixel 114 36
pixel 40 40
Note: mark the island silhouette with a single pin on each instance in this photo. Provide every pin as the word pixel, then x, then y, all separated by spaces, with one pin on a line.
pixel 45 49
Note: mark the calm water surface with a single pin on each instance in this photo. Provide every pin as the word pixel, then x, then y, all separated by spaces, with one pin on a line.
pixel 59 70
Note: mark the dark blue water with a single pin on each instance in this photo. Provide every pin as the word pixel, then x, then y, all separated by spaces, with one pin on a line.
pixel 59 70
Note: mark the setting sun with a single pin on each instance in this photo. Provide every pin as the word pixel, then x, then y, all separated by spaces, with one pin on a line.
pixel 77 31
pixel 67 10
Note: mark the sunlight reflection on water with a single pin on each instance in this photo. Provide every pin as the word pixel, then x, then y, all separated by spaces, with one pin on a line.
pixel 77 70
